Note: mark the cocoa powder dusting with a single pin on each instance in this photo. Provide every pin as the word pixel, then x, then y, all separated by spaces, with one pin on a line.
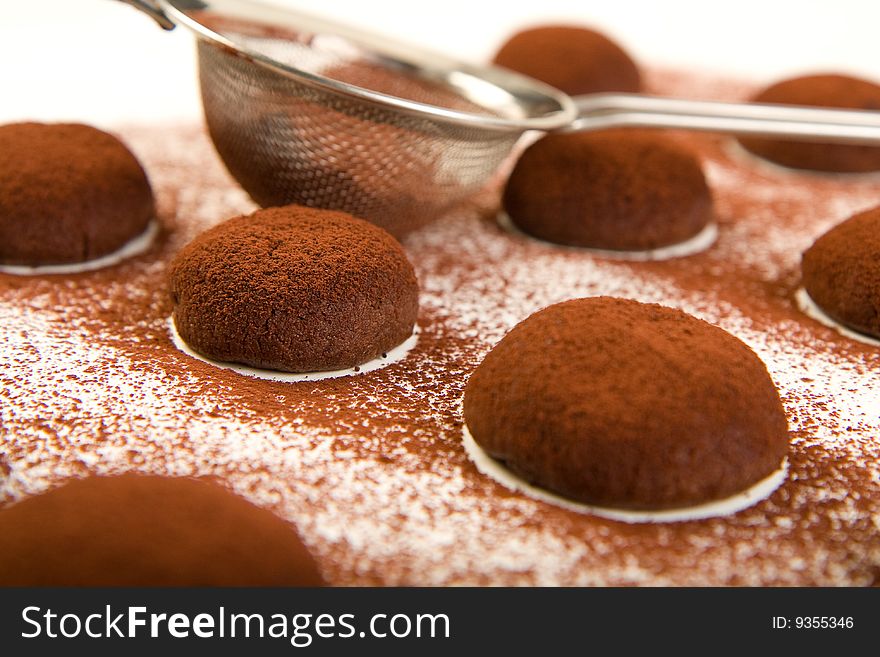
pixel 627 405
pixel 371 468
pixel 841 272
pixel 840 91
pixel 614 189
pixel 576 60
pixel 135 530
pixel 294 289
pixel 68 193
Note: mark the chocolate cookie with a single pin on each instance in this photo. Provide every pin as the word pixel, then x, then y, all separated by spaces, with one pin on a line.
pixel 841 272
pixel 68 193
pixel 138 530
pixel 629 405
pixel 575 60
pixel 294 289
pixel 624 190
pixel 838 91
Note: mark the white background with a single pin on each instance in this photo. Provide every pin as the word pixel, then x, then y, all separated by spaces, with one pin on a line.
pixel 104 63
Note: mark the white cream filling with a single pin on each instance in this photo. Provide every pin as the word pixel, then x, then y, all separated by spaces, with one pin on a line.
pixel 699 242
pixel 394 355
pixel 133 247
pixel 726 507
pixel 809 308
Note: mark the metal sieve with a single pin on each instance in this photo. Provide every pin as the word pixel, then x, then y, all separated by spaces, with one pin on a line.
pixel 304 110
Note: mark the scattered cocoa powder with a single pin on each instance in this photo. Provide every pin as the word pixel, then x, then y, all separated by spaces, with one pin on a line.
pixel 68 193
pixel 135 530
pixel 294 289
pixel 840 91
pixel 371 468
pixel 575 60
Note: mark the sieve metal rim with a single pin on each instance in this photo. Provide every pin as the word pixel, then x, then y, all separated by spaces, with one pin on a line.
pixel 517 86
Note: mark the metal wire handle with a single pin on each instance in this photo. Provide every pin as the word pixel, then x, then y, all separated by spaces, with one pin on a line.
pixel 599 111
pixel 150 9
pixel 304 110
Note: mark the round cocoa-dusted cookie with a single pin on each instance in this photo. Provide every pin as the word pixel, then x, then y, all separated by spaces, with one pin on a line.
pixel 68 193
pixel 139 530
pixel 623 190
pixel 294 289
pixel 622 404
pixel 841 272
pixel 573 59
pixel 837 91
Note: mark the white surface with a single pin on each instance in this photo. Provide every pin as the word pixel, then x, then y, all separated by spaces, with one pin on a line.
pixel 394 355
pixel 102 62
pixel 696 244
pixel 719 508
pixel 130 249
pixel 811 309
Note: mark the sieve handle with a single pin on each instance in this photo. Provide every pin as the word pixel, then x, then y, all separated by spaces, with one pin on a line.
pixel 152 10
pixel 599 111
